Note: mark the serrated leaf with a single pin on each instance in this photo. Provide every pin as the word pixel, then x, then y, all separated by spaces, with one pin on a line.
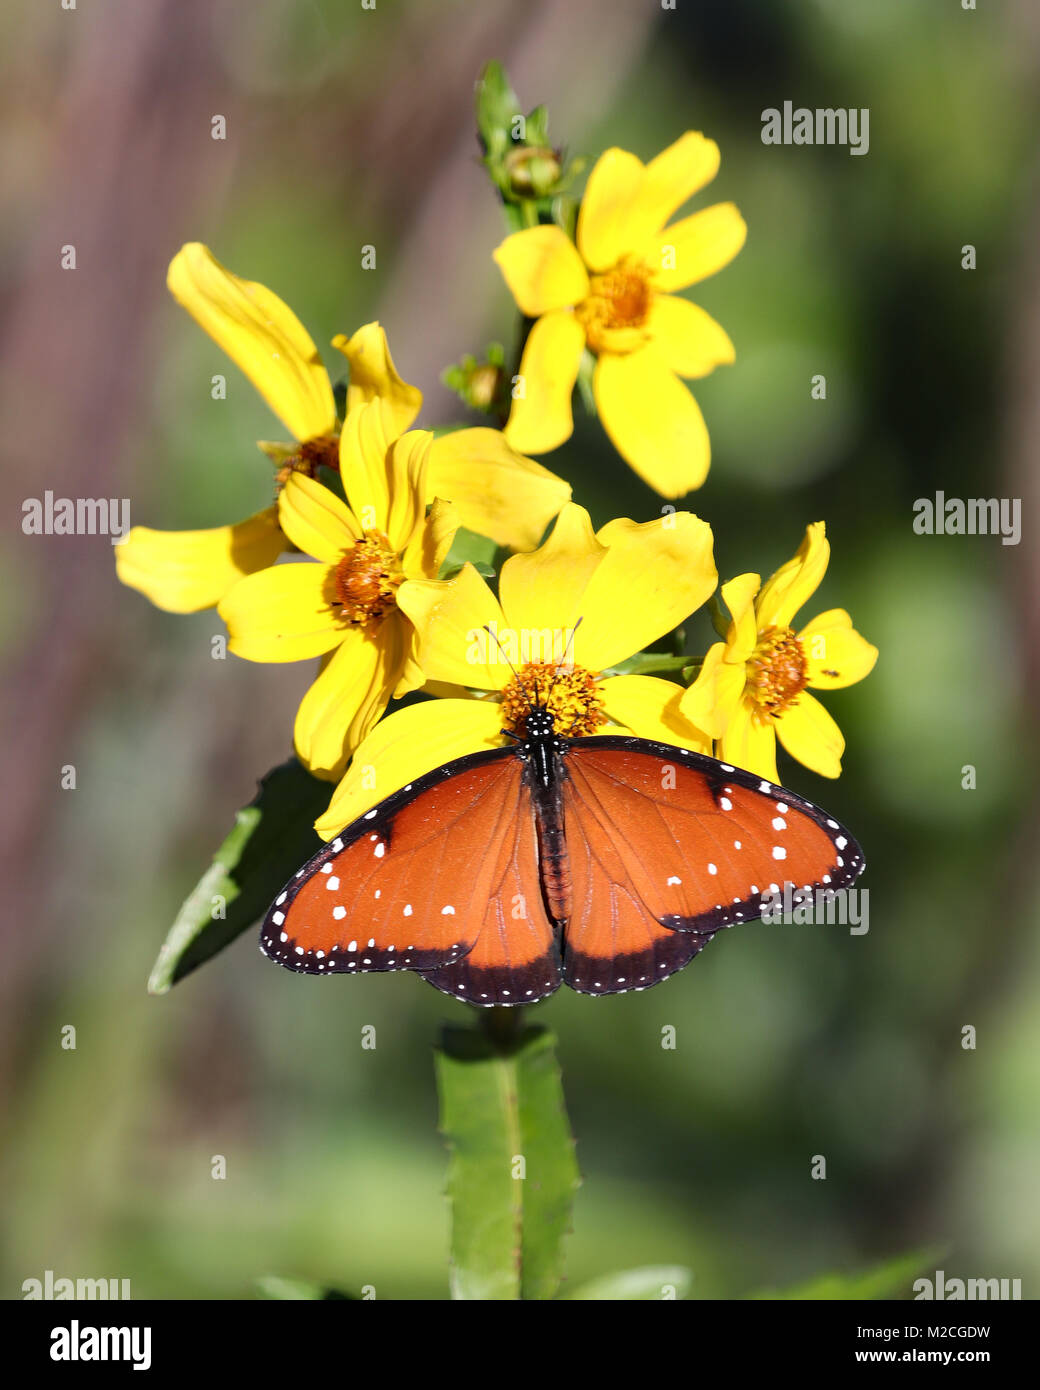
pixel 502 1112
pixel 891 1279
pixel 272 837
pixel 663 1282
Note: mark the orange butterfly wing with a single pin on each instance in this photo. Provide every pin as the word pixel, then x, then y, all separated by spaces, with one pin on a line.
pixel 441 878
pixel 668 847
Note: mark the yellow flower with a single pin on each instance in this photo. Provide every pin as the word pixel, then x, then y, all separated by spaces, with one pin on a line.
pixel 752 688
pixel 499 493
pixel 613 295
pixel 346 607
pixel 566 613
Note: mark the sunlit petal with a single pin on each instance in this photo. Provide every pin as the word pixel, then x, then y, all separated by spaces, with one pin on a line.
pixel 688 339
pixel 809 734
pixel 184 571
pixel 545 589
pixel 372 374
pixel 836 654
pixel 651 708
pixel 497 491
pixel 795 583
pixel 696 247
pixel 540 418
pixel 653 421
pixel 261 335
pixel 611 194
pixel 315 519
pixel 542 269
pixel 653 576
pixel 349 695
pixel 282 614
pixel 450 618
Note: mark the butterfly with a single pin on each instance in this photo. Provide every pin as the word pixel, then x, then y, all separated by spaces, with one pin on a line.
pixel 605 863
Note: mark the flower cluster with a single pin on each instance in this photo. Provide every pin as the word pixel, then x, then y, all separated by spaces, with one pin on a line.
pixel 356 558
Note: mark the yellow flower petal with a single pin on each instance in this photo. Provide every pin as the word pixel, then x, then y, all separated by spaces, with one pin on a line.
pixel 406 467
pixel 653 421
pixel 749 742
pixel 372 374
pixel 795 583
pixel 696 247
pixel 710 701
pixel 349 696
pixel 654 575
pixel 611 194
pixel 739 597
pixel 545 589
pixel 450 617
pixel 837 655
pixel 315 519
pixel 541 419
pixel 431 541
pixel 282 614
pixel 363 463
pixel 688 339
pixel 404 746
pixel 543 270
pixel 809 734
pixel 651 708
pixel 497 492
pixel 185 571
pixel 261 335
pixel 670 180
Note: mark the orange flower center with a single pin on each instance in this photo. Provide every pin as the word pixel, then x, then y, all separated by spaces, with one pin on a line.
pixel 618 300
pixel 366 580
pixel 569 693
pixel 320 452
pixel 777 672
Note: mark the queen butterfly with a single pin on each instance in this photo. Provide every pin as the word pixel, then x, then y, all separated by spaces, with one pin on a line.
pixel 605 862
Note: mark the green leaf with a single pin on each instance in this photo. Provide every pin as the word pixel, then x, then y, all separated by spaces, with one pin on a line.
pixel 497 105
pixel 537 126
pixel 272 837
pixel 273 1286
pixel 469 547
pixel 891 1279
pixel 646 662
pixel 502 1112
pixel 630 1285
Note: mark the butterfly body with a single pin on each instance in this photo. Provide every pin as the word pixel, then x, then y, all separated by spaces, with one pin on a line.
pixel 542 753
pixel 606 863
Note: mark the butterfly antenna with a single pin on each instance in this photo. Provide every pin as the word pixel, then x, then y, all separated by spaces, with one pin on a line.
pixel 519 684
pixel 562 663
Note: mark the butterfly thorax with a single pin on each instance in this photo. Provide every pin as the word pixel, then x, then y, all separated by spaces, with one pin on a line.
pixel 541 747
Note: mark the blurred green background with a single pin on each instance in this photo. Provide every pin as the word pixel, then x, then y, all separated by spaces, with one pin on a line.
pixel 348 127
